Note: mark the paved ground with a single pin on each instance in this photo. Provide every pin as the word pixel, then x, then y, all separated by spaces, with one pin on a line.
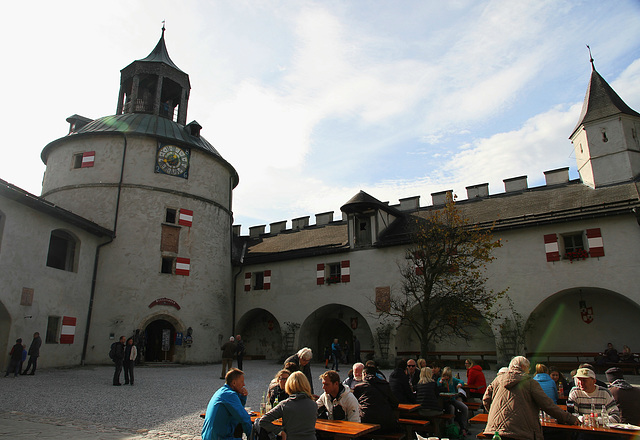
pixel 165 403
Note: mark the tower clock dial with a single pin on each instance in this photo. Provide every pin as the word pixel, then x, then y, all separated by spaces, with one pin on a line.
pixel 173 160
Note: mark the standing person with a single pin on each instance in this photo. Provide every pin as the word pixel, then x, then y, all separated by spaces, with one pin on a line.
pixel 130 354
pixel 514 401
pixel 16 357
pixel 239 351
pixel 377 402
pixel 226 409
pixel 303 360
pixel 34 353
pixel 335 354
pixel 356 349
pixel 118 359
pixel 337 400
pixel 298 412
pixel 228 351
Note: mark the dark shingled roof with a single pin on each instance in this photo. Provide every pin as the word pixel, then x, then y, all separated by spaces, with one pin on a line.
pixel 601 101
pixel 532 207
pixel 363 201
pixel 19 195
pixel 144 124
pixel 160 54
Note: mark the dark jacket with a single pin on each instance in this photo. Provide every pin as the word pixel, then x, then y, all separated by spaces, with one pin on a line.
pixel 118 352
pixel 427 396
pixel 16 352
pixel 306 369
pixel 628 399
pixel 228 350
pixel 298 414
pixel 34 348
pixel 399 382
pixel 377 402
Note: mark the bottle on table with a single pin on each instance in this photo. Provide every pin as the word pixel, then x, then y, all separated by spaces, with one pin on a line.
pixel 496 436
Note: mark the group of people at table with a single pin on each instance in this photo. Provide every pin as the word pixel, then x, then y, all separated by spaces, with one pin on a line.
pixel 513 401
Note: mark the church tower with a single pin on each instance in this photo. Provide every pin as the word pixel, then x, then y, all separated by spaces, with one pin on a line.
pixel 166 192
pixel 606 139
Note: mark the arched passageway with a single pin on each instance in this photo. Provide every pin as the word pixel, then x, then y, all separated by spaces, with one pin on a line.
pixel 583 319
pixel 159 341
pixel 261 334
pixel 332 321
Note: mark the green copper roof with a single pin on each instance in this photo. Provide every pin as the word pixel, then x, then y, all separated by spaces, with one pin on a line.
pixel 160 54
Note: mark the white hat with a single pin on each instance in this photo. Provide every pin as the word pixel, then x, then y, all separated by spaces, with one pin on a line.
pixel 583 373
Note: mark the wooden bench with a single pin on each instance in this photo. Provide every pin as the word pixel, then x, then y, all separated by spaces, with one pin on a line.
pixel 389 436
pixel 455 359
pixel 413 425
pixel 483 435
pixel 626 367
pixel 567 360
pixel 473 406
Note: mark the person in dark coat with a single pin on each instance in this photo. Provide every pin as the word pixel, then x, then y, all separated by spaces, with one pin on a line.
pixel 377 403
pixel 15 359
pixel 34 353
pixel 118 359
pixel 399 382
pixel 427 394
pixel 303 360
pixel 240 350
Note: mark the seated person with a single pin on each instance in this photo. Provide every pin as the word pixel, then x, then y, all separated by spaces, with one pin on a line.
pixel 453 404
pixel 377 402
pixel 627 396
pixel 427 394
pixel 277 391
pixel 610 355
pixel 588 393
pixel 590 367
pixel 475 379
pixel 413 374
pixel 626 355
pixel 356 375
pixel 514 400
pixel 399 382
pixel 436 370
pixel 562 385
pixel 545 381
pixel 337 402
pixel 372 364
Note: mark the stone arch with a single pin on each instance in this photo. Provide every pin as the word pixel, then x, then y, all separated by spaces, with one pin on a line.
pixel 261 333
pixel 150 329
pixel 335 321
pixel 557 323
pixel 5 331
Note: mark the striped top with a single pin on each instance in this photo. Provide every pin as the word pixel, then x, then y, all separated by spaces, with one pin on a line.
pixel 601 396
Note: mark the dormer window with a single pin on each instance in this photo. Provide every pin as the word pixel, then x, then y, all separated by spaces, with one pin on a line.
pixel 362 226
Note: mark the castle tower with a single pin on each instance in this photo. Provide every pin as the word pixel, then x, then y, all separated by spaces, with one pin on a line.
pixel 606 139
pixel 167 194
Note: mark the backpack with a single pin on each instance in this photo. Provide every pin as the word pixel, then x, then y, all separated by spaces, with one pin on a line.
pixel 452 431
pixel 112 351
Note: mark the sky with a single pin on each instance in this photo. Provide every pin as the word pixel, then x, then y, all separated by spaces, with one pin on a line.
pixel 313 101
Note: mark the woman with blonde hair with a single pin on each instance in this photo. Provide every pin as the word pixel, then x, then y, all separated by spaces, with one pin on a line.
pixel 426 394
pixel 546 382
pixel 449 384
pixel 298 412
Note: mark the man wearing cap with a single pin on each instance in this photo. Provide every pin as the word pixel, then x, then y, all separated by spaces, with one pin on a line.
pixel 626 396
pixel 587 393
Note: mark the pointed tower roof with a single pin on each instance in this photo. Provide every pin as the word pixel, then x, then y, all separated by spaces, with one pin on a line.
pixel 159 54
pixel 363 201
pixel 601 101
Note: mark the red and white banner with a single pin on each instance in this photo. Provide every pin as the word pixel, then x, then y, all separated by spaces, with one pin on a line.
pixel 185 218
pixel 345 271
pixel 247 281
pixel 183 266
pixel 88 159
pixel 551 247
pixel 596 246
pixel 266 284
pixel 320 274
pixel 68 331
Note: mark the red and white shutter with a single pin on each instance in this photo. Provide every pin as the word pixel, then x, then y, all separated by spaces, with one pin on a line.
pixel 320 274
pixel 88 159
pixel 247 281
pixel 185 217
pixel 266 284
pixel 596 246
pixel 551 247
pixel 345 271
pixel 416 260
pixel 68 331
pixel 183 266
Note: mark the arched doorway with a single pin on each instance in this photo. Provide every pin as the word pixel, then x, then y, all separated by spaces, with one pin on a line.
pixel 261 334
pixel 159 341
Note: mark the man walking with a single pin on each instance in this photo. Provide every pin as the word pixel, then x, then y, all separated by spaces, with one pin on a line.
pixel 34 353
pixel 228 350
pixel 239 351
pixel 226 409
pixel 118 359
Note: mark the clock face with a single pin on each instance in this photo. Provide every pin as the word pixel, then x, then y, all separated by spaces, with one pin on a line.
pixel 173 160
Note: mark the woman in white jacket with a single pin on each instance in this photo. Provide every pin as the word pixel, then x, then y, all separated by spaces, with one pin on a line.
pixel 130 355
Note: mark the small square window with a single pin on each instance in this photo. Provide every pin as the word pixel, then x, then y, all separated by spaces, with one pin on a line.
pixel 53 327
pixel 572 242
pixel 170 216
pixel 77 160
pixel 258 282
pixel 167 265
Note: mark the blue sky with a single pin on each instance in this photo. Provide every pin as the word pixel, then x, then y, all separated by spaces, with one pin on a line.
pixel 313 101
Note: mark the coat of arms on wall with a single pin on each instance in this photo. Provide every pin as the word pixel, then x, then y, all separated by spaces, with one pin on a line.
pixel 586 312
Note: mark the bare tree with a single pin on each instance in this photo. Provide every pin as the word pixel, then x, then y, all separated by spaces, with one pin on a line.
pixel 443 293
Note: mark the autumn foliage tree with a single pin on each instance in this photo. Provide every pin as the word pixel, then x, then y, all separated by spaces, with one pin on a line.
pixel 443 292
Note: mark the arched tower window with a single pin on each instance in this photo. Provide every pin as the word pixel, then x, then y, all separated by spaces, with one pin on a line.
pixel 63 248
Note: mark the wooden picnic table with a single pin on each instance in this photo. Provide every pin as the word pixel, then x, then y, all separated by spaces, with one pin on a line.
pixel 338 429
pixel 408 407
pixel 482 419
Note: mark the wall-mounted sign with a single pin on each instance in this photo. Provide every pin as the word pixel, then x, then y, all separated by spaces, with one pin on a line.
pixel 165 302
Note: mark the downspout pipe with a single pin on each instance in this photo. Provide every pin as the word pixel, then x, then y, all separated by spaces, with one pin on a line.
pixel 96 259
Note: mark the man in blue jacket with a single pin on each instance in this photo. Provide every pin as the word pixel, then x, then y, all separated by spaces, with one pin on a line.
pixel 226 409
